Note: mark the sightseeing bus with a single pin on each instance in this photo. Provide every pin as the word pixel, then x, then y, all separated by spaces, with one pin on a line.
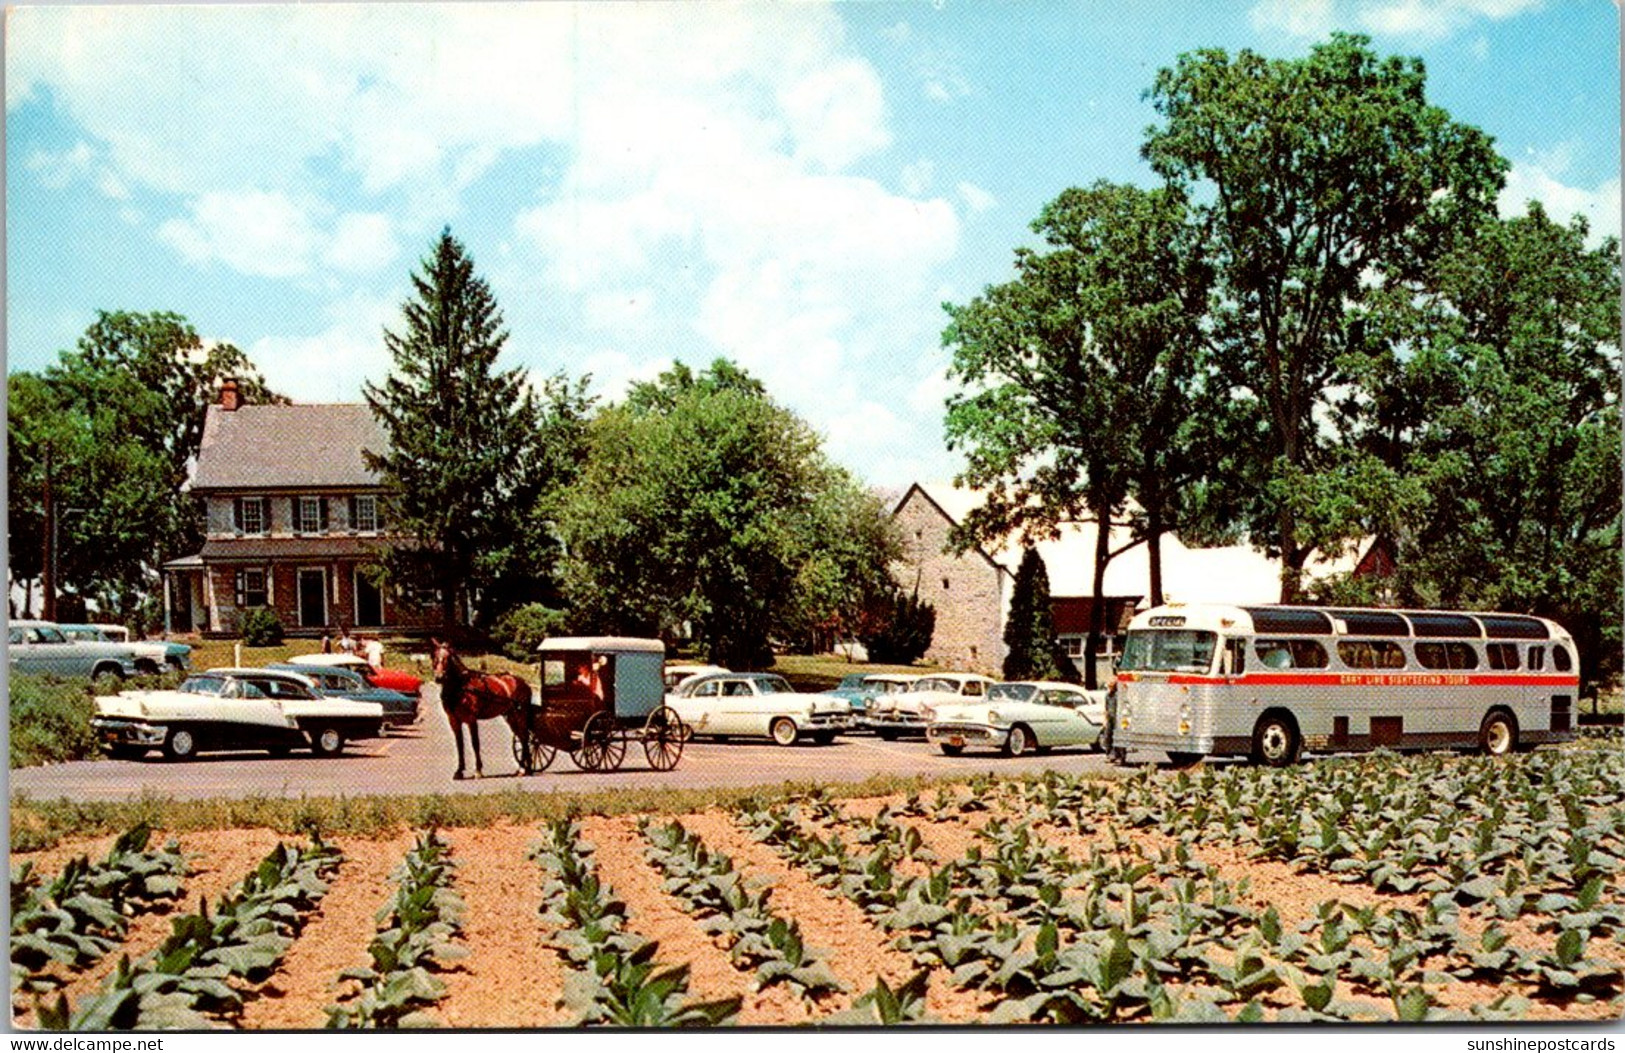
pixel 1270 682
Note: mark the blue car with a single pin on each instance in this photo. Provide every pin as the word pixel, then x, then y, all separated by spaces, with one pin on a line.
pixel 399 708
pixel 860 689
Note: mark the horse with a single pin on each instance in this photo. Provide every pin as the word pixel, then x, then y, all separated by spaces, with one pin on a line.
pixel 469 698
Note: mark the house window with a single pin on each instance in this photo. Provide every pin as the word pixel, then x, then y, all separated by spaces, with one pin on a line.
pixel 309 515
pixel 250 515
pixel 1074 646
pixel 251 590
pixel 364 513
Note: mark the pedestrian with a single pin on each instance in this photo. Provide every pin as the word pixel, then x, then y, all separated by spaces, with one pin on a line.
pixel 373 648
pixel 327 641
pixel 1108 735
pixel 346 644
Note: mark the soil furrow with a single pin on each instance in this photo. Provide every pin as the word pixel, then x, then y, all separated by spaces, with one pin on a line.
pixel 335 938
pixel 512 979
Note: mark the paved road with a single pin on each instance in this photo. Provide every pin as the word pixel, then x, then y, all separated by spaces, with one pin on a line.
pixel 421 760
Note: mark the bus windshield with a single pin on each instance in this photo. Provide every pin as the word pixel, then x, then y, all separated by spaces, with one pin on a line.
pixel 1168 651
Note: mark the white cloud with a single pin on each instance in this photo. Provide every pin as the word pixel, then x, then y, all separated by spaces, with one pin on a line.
pixel 253 231
pixel 330 365
pixel 1599 205
pixel 1421 19
pixel 916 178
pixel 976 199
pixel 57 170
pixel 362 242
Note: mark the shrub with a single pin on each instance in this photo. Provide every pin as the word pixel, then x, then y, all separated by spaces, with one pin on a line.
pixel 262 628
pixel 518 632
pixel 50 720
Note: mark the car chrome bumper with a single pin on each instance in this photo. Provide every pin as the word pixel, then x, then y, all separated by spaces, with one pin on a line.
pixel 121 732
pixel 961 734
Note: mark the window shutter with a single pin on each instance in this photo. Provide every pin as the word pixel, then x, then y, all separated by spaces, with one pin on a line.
pixel 353 527
pixel 237 514
pixel 323 505
pixel 293 508
pixel 242 583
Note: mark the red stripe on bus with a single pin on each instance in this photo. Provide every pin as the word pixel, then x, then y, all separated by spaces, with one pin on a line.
pixel 1435 679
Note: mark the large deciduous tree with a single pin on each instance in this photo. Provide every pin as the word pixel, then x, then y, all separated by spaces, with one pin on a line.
pixel 473 452
pixel 1322 180
pixel 1079 377
pixel 704 503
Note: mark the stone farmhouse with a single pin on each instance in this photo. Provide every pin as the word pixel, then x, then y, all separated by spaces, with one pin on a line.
pixel 971 592
pixel 292 515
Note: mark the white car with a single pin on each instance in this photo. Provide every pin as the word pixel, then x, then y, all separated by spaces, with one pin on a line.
pixel 679 673
pixel 233 709
pixel 1021 716
pixel 758 704
pixel 908 712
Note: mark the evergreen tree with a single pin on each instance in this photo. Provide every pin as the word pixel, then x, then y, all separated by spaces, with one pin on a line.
pixel 1029 631
pixel 469 458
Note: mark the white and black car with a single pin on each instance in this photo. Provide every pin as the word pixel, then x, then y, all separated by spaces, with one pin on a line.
pixel 233 709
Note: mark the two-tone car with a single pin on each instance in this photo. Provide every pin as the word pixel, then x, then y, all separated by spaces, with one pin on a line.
pixel 758 705
pixel 677 673
pixel 233 709
pixel 1018 717
pixel 908 712
pixel 335 682
pixel 43 649
pixel 151 656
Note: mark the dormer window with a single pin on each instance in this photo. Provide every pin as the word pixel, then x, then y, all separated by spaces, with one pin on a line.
pixel 364 513
pixel 250 515
pixel 309 515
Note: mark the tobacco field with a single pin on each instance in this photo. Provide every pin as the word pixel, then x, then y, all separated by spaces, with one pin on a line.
pixel 1431 888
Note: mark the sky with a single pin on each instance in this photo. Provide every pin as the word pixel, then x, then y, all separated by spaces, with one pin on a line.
pixel 797 187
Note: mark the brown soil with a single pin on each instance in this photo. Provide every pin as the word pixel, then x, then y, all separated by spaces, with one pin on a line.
pixel 334 939
pixel 511 979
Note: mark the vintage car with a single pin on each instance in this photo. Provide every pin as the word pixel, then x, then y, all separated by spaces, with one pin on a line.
pixel 377 676
pixel 861 689
pixel 43 648
pixel 1019 717
pixel 336 682
pixel 150 657
pixel 233 709
pixel 908 712
pixel 723 705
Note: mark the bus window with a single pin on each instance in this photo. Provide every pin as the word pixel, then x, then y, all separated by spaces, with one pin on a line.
pixel 1502 655
pixel 1291 654
pixel 1371 654
pixel 1446 655
pixel 1235 658
pixel 1537 658
pixel 1560 659
pixel 1169 651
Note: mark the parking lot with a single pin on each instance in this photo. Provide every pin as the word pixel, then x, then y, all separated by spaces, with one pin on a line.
pixel 421 759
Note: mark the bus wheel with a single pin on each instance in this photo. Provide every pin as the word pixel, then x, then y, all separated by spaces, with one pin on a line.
pixel 1275 740
pixel 1498 735
pixel 1183 760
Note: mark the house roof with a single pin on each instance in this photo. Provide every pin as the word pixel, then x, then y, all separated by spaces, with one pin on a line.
pixel 261 447
pixel 1233 574
pixel 261 548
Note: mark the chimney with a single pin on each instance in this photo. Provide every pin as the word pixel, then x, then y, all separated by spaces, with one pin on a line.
pixel 229 398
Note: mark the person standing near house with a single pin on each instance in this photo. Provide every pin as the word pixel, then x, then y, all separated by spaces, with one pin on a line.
pixel 373 649
pixel 346 641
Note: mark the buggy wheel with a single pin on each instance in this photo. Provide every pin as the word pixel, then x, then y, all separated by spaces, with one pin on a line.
pixel 603 746
pixel 663 737
pixel 532 754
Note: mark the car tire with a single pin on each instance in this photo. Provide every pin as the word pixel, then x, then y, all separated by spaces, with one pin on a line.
pixel 327 742
pixel 146 667
pixel 1019 741
pixel 783 731
pixel 950 750
pixel 125 752
pixel 823 738
pixel 887 736
pixel 180 744
pixel 278 751
pixel 106 675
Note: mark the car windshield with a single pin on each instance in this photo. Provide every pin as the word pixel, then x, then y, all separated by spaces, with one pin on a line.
pixel 1168 651
pixel 204 685
pixel 851 682
pixel 773 685
pixel 1011 692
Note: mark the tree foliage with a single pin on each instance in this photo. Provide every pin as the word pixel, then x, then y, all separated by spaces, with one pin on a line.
pixel 1325 179
pixel 899 628
pixel 705 504
pixel 476 455
pixel 1034 652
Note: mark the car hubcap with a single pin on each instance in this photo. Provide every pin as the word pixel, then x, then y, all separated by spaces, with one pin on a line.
pixel 1018 741
pixel 330 741
pixel 182 743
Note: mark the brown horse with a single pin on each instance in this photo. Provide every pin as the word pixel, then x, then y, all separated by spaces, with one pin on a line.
pixel 470 697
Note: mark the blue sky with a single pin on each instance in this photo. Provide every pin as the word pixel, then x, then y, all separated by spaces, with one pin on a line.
pixel 797 187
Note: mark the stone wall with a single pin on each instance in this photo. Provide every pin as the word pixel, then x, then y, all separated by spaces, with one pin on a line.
pixel 968 592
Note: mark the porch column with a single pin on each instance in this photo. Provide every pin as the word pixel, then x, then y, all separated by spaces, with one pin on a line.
pixel 167 602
